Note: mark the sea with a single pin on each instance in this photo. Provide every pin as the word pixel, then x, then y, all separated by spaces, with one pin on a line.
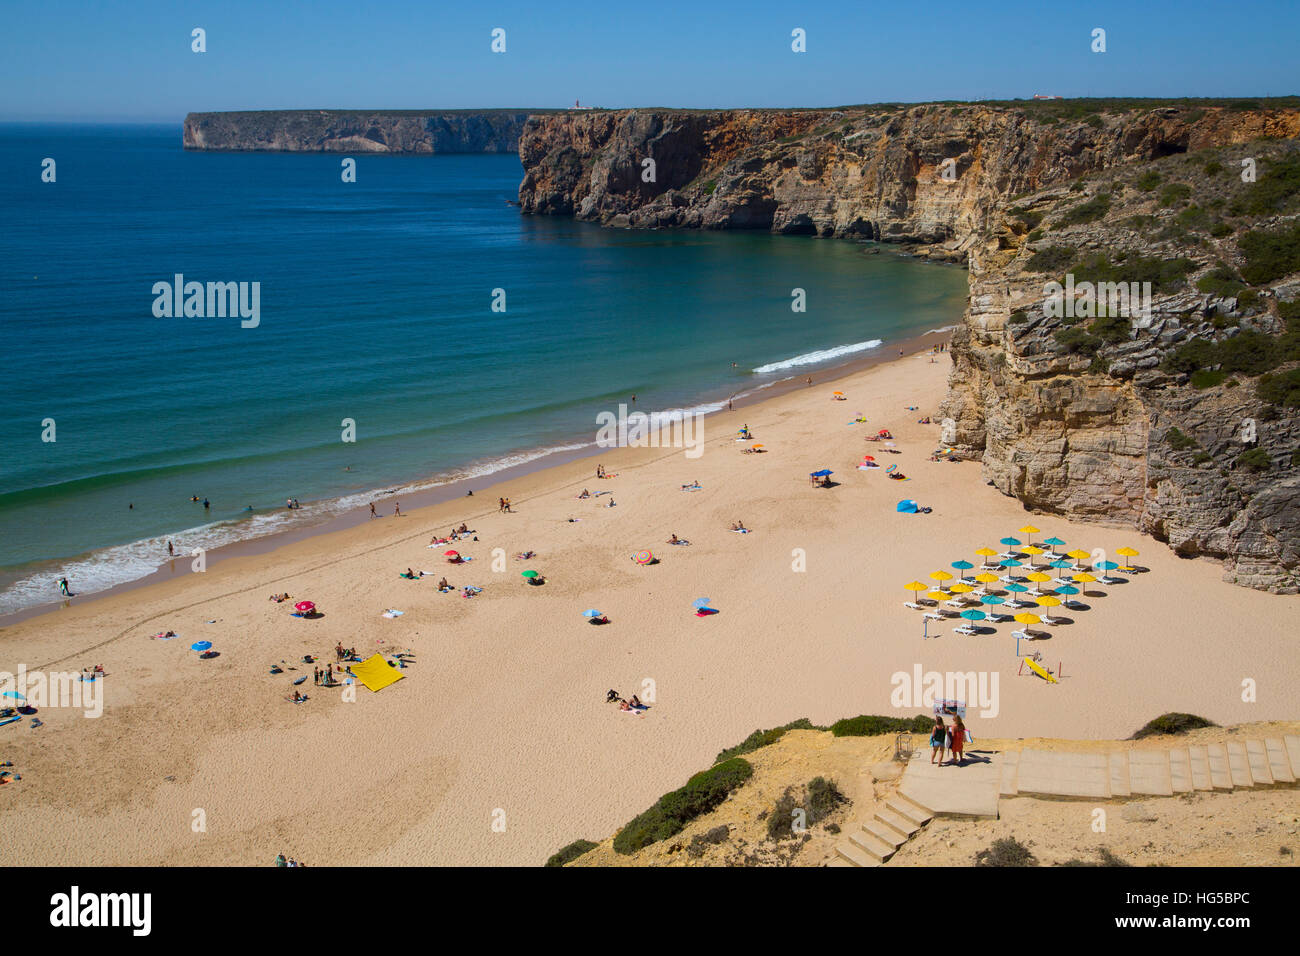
pixel 411 329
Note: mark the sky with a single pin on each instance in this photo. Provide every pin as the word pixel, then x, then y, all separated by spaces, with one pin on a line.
pixel 131 60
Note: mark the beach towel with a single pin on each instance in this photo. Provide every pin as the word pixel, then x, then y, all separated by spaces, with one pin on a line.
pixel 375 673
pixel 740 531
pixel 391 612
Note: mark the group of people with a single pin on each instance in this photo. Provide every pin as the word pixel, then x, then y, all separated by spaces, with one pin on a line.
pixel 503 504
pixel 951 740
pixel 632 704
pixel 325 678
pixel 281 861
pixel 397 508
pixel 292 504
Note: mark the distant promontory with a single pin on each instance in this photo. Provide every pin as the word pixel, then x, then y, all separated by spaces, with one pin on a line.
pixel 358 131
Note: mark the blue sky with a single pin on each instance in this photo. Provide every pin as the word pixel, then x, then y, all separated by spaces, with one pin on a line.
pixel 131 61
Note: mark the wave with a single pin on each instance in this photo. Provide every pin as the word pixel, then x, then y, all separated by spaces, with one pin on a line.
pixel 945 328
pixel 823 355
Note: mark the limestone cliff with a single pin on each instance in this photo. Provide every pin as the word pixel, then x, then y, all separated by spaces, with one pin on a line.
pixel 357 131
pixel 1126 422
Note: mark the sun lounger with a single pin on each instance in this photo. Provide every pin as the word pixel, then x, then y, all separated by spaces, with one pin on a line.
pixel 1022 635
pixel 913 606
pixel 934 617
pixel 965 629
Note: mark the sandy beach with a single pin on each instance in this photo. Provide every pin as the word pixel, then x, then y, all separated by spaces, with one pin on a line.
pixel 498 746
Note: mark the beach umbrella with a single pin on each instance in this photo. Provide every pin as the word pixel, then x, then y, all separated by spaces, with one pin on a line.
pixel 1083 578
pixel 963 566
pixel 822 473
pixel 916 586
pixel 868 458
pixel 1127 553
pixel 992 599
pixel 528 574
pixel 591 612
pixel 451 554
pixel 1066 589
pixel 961 588
pixel 1053 543
pixel 973 615
pixel 985 578
pixel 758 444
pixel 837 393
pixel 939 595
pixel 1011 563
pixel 1011 542
pixel 1029 530
pixel 304 607
pixel 201 646
pixel 1078 554
pixel 643 557
pixel 1028 619
pixel 907 506
pixel 941 576
pixel 1033 552
pixel 14 694
pixel 1062 564
pixel 1106 565
pixel 1038 576
pixel 1048 601
pixel 701 603
pixel 985 552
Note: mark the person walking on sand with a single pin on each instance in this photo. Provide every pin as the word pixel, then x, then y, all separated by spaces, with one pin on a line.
pixel 958 734
pixel 373 513
pixel 938 735
pixel 809 381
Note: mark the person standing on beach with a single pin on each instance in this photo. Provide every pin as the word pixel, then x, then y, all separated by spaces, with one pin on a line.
pixel 63 586
pixel 958 741
pixel 397 509
pixel 373 513
pixel 809 381
pixel 170 550
pixel 938 734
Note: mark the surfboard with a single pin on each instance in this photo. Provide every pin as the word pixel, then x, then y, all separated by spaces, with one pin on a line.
pixel 301 679
pixel 9 720
pixel 1038 669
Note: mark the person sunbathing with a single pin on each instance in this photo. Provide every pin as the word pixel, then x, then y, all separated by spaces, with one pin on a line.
pixel 694 486
pixel 673 539
pixel 462 529
pixel 298 698
pixel 636 701
pixel 603 619
pixel 898 476
pixel 443 585
pixel 539 579
pixel 585 493
pixel 739 526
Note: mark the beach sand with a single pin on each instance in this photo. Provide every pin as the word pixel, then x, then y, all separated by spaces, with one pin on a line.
pixel 498 747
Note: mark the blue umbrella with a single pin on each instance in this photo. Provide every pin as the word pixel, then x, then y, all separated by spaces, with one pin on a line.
pixel 1018 588
pixel 962 565
pixel 973 615
pixel 201 646
pixel 821 474
pixel 1011 563
pixel 1106 565
pixel 907 506
pixel 702 603
pixel 1053 542
pixel 14 694
pixel 1010 542
pixel 992 599
pixel 1066 589
pixel 591 612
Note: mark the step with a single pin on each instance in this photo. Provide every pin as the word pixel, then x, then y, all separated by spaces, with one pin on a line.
pixel 840 861
pixel 1149 773
pixel 885 833
pixel 1010 764
pixel 908 809
pixel 1180 770
pixel 900 825
pixel 872 846
pixel 1278 762
pixel 1220 773
pixel 1257 757
pixel 1200 761
pixel 1239 764
pixel 1292 744
pixel 1119 776
pixel 853 855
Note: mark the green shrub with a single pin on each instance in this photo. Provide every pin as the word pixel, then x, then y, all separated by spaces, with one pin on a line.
pixel 1031 218
pixel 1148 181
pixel 1201 457
pixel 1034 236
pixel 869 725
pixel 1220 229
pixel 1276 187
pixel 1247 298
pixel 1175 194
pixel 818 800
pixel 570 853
pixel 1254 459
pixel 1204 378
pixel 1018 318
pixel 1008 851
pixel 1111 329
pixel 710 837
pixel 1282 390
pixel 1053 259
pixel 1090 211
pixel 1076 341
pixel 1222 280
pixel 1165 275
pixel 1194 218
pixel 1213 168
pixel 1172 723
pixel 1270 254
pixel 1176 440
pixel 673 811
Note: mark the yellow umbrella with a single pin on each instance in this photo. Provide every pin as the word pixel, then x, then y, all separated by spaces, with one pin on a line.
pixel 837 393
pixel 1031 550
pixel 961 588
pixel 985 552
pixel 916 586
pixel 1048 600
pixel 1030 530
pixel 939 595
pixel 1077 553
pixel 1083 578
pixel 1029 619
pixel 1038 576
pixel 986 578
pixel 941 576
pixel 1128 553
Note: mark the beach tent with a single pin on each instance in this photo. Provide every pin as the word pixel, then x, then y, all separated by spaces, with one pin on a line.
pixel 908 506
pixel 376 673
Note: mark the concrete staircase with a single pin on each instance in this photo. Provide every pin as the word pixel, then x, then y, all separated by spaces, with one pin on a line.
pixel 1248 763
pixel 876 840
pixel 972 791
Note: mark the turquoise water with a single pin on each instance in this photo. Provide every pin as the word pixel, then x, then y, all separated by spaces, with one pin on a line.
pixel 376 306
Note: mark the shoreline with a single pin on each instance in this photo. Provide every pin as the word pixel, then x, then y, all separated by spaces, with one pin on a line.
pixel 177 568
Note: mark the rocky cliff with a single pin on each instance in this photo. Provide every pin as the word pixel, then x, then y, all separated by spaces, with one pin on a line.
pixel 1182 422
pixel 357 131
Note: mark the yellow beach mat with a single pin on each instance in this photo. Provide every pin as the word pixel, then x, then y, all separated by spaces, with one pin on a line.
pixel 375 673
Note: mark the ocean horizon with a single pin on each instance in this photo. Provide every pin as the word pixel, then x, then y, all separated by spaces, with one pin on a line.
pixel 375 315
